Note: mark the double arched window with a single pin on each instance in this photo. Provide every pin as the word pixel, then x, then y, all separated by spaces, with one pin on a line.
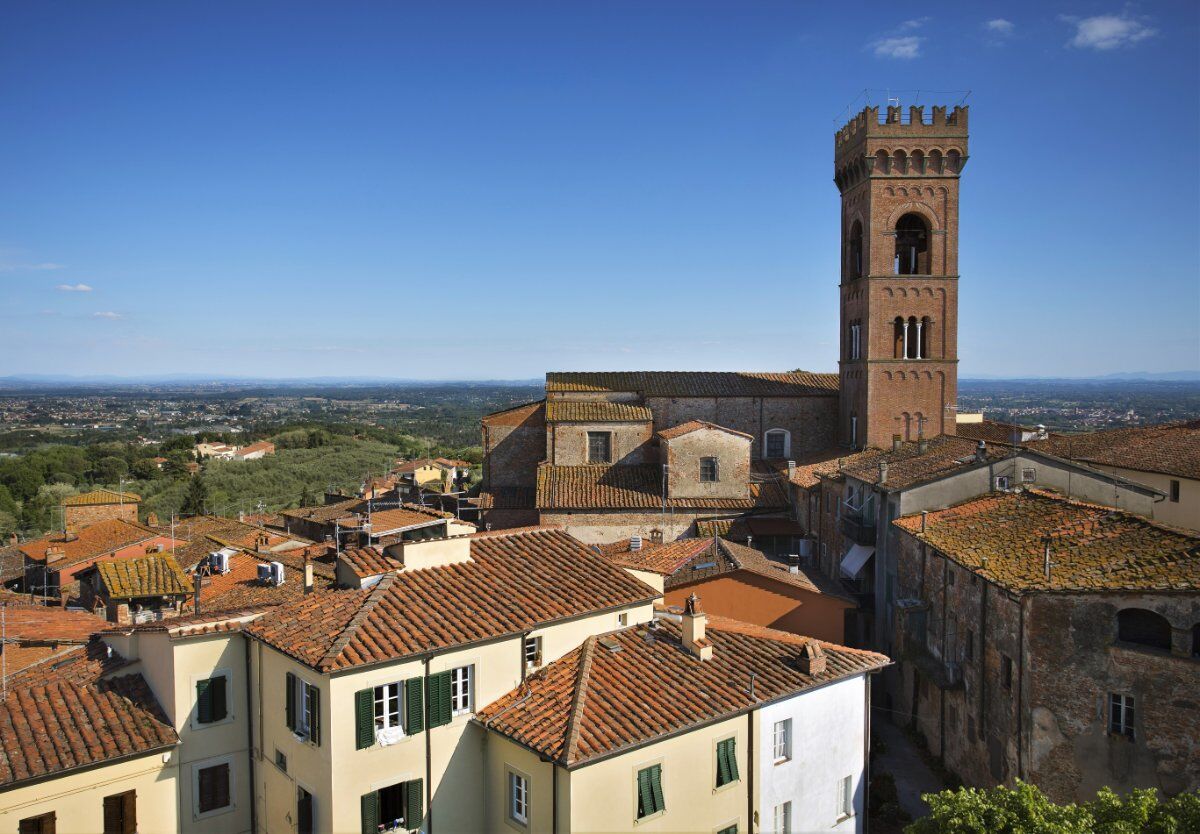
pixel 911 337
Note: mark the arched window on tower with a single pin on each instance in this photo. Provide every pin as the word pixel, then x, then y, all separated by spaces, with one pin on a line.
pixel 912 245
pixel 854 251
pixel 900 337
pixel 883 162
pixel 923 338
pixel 912 340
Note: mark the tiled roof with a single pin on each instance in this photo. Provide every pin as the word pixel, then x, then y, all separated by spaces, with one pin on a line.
pixel 697 425
pixel 370 561
pixel 908 466
pixel 88 542
pixel 994 431
pixel 458 464
pixel 12 563
pixel 1171 448
pixel 597 701
pixel 1002 537
pixel 240 588
pixel 409 466
pixel 101 496
pixel 508 498
pixel 45 623
pixel 326 513
pixel 260 446
pixel 410 515
pixel 512 583
pixel 694 383
pixel 205 534
pixel 664 558
pixel 83 665
pixel 639 486
pixel 530 415
pixel 774 567
pixel 59 726
pixel 809 468
pixel 589 411
pixel 153 575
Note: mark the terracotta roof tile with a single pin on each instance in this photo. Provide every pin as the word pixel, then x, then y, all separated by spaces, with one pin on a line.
pixel 369 561
pixel 995 431
pixel 908 466
pixel 326 513
pixel 528 415
pixel 598 701
pixel 100 496
pixel 88 542
pixel 45 623
pixel 664 558
pixel 508 498
pixel 697 425
pixel 1170 448
pixel 694 383
pixel 83 665
pixel 240 588
pixel 596 411
pixel 623 486
pixel 152 575
pixel 398 518
pixel 1002 537
pixel 513 582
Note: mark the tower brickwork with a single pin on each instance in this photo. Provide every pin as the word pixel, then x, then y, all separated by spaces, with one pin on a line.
pixel 899 279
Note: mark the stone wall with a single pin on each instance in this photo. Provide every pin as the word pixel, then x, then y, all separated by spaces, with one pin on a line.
pixel 514 443
pixel 605 526
pixel 683 455
pixel 810 421
pixel 77 517
pixel 567 443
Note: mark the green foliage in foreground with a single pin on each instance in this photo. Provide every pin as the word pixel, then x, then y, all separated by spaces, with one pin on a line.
pixel 1026 810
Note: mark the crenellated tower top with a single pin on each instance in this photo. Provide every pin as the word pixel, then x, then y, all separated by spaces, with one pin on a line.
pixel 912 144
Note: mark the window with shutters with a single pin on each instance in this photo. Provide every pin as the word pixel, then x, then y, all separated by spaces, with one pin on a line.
pixel 782 740
pixel 305 812
pixel 387 706
pixel 533 652
pixel 649 792
pixel 783 818
pixel 727 768
pixel 518 798
pixel 212 787
pixel 303 712
pixel 599 447
pixel 709 470
pixel 120 813
pixel 388 713
pixel 462 690
pixel 212 699
pixel 398 807
pixel 41 824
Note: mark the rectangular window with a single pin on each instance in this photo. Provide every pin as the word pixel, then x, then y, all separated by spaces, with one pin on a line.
pixel 776 445
pixel 708 470
pixel 41 824
pixel 783 740
pixel 518 798
pixel 212 788
pixel 599 447
pixel 304 812
pixel 120 813
pixel 1028 475
pixel 280 760
pixel 783 818
pixel 303 709
pixel 649 791
pixel 398 807
pixel 623 619
pixel 387 706
pixel 853 429
pixel 1120 715
pixel 845 797
pixel 461 686
pixel 1174 491
pixel 212 700
pixel 533 652
pixel 1006 671
pixel 727 768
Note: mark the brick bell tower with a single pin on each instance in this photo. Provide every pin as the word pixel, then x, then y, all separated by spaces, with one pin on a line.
pixel 899 287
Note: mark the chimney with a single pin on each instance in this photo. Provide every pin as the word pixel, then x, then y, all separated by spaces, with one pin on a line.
pixel 635 542
pixel 63 596
pixel 197 582
pixel 308 575
pixel 922 444
pixel 693 622
pixel 811 659
pixel 241 515
pixel 791 469
pixel 981 451
pixel 53 554
pixel 883 472
pixel 897 440
pixel 924 518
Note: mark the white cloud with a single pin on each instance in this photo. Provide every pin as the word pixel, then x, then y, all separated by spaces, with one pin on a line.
pixel 73 288
pixel 915 23
pixel 1000 26
pixel 1108 31
pixel 106 314
pixel 30 267
pixel 903 47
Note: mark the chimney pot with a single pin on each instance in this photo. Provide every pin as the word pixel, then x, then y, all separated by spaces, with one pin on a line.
pixel 981 451
pixel 308 575
pixel 883 471
pixel 635 542
pixel 693 622
pixel 811 659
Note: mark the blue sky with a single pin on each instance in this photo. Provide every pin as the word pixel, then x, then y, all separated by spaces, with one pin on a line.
pixel 494 190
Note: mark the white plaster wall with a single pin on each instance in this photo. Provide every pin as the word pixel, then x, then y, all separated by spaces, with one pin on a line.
pixel 827 743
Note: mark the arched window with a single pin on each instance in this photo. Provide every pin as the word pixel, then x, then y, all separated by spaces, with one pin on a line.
pixel 923 338
pixel 912 245
pixel 935 161
pixel 953 161
pixel 883 162
pixel 1146 628
pixel 918 161
pixel 900 334
pixel 854 251
pixel 912 341
pixel 777 444
pixel 902 162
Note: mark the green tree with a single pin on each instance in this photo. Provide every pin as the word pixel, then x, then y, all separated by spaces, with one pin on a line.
pixel 110 469
pixel 196 497
pixel 146 469
pixel 307 498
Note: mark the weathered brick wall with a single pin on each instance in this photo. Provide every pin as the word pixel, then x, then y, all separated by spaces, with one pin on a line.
pixel 811 421
pixel 733 465
pixel 567 443
pixel 76 518
pixel 1075 663
pixel 514 443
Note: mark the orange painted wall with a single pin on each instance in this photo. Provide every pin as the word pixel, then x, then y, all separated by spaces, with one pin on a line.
pixel 756 599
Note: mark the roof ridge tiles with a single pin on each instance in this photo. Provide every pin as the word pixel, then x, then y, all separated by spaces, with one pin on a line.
pixel 583 675
pixel 351 629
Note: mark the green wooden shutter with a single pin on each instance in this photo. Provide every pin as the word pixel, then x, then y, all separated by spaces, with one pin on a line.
pixel 727 770
pixel 364 719
pixel 414 707
pixel 370 813
pixel 204 706
pixel 439 709
pixel 414 803
pixel 656 787
pixel 732 829
pixel 220 698
pixel 732 756
pixel 291 701
pixel 314 715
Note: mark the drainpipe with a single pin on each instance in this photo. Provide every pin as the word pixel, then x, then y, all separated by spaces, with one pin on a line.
pixel 250 742
pixel 428 753
pixel 1021 692
pixel 866 753
pixel 750 772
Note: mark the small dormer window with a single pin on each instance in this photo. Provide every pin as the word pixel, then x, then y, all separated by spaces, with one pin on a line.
pixel 709 471
pixel 599 447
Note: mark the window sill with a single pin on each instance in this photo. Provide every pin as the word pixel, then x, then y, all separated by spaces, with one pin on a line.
pixel 842 818
pixel 783 760
pixel 726 786
pixel 215 812
pixel 208 725
pixel 649 817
